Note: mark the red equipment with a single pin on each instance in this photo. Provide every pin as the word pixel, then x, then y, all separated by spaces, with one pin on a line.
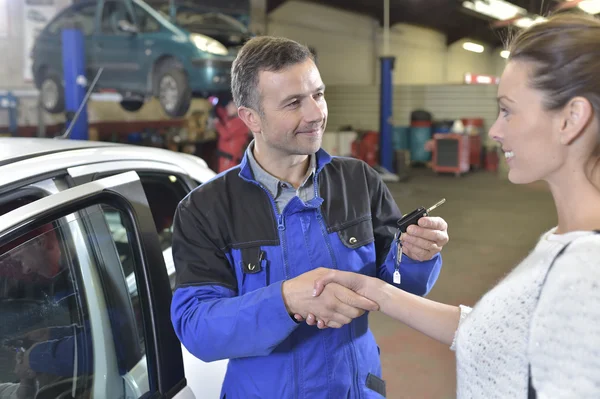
pixel 232 141
pixel 366 148
pixel 451 153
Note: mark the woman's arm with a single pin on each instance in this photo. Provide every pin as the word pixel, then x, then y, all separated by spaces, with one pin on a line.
pixel 436 320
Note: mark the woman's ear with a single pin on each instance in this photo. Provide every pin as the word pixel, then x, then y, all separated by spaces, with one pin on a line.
pixel 575 118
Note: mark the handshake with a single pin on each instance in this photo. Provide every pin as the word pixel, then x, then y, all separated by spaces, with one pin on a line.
pixel 330 298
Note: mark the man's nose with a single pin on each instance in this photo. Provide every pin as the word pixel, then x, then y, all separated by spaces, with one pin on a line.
pixel 314 112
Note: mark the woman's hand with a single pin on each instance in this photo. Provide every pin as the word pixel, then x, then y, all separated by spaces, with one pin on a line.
pixel 359 283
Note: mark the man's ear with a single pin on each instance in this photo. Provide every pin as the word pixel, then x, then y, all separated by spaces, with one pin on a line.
pixel 251 119
pixel 575 117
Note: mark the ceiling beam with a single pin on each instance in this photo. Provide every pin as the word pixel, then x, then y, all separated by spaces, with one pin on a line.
pixel 273 4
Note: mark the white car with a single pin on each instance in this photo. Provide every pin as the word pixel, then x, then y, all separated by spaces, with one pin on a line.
pixel 86 272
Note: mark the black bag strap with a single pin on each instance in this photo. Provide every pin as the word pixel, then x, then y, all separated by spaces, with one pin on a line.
pixel 531 392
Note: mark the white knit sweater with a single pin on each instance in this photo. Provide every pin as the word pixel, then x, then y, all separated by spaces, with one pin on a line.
pixel 560 338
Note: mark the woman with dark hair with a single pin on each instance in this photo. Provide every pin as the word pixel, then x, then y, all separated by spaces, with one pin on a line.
pixel 538 330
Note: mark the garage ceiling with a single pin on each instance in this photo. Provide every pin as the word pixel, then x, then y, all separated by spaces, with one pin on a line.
pixel 447 16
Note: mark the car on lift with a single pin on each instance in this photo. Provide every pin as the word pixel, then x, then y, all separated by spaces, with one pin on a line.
pixel 143 54
pixel 209 21
pixel 86 271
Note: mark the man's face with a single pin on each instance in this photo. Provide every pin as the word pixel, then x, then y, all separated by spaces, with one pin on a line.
pixel 294 111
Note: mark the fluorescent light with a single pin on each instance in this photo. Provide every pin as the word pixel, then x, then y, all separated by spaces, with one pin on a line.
pixel 590 6
pixel 476 48
pixel 497 9
pixel 504 53
pixel 527 22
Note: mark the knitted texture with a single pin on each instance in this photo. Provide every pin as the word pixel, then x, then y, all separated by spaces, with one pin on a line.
pixel 560 336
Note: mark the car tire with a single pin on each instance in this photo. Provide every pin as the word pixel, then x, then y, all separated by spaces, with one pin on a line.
pixel 52 93
pixel 172 88
pixel 131 105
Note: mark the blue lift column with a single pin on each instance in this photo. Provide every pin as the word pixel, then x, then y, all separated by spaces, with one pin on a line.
pixel 386 150
pixel 73 57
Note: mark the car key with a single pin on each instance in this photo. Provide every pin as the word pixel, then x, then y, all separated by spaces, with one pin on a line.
pixel 414 216
pixel 403 223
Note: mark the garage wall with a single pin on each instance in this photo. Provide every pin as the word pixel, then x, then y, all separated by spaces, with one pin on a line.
pixel 349 44
pixel 12 42
pixel 420 53
pixel 343 40
pixel 461 61
pixel 358 106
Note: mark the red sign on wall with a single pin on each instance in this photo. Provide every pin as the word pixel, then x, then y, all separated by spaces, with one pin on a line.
pixel 475 79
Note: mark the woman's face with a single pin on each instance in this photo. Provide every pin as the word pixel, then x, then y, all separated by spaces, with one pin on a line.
pixel 528 133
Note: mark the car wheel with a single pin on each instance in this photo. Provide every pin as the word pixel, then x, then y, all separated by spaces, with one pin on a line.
pixel 52 93
pixel 173 90
pixel 131 105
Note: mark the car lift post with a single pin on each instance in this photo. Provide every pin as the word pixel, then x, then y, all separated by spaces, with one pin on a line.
pixel 386 150
pixel 73 57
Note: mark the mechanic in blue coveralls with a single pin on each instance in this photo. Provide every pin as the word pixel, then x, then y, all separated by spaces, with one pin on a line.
pixel 247 245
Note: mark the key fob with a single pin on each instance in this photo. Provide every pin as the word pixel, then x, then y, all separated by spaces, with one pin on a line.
pixel 411 218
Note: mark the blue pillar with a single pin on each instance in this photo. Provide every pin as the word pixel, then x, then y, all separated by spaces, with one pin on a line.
pixel 73 57
pixel 386 150
pixel 11 104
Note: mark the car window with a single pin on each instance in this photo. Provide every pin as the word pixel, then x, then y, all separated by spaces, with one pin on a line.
pixel 46 341
pixel 81 18
pixel 145 22
pixel 125 258
pixel 164 192
pixel 55 316
pixel 112 13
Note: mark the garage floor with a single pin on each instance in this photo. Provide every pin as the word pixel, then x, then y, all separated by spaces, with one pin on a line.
pixel 492 226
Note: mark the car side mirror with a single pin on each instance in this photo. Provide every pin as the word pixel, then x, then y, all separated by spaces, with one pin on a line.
pixel 128 27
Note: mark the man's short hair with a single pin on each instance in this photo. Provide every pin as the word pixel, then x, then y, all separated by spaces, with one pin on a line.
pixel 263 53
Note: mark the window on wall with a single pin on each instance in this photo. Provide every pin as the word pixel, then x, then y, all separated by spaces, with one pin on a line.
pixel 3 18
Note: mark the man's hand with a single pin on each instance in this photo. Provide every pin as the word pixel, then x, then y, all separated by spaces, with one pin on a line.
pixel 368 287
pixel 424 241
pixel 22 368
pixel 336 304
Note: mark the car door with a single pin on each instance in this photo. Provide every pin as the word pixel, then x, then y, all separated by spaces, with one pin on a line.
pixel 165 185
pixel 117 48
pixel 71 323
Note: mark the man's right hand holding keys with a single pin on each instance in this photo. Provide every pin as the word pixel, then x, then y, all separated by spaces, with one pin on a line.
pixel 336 303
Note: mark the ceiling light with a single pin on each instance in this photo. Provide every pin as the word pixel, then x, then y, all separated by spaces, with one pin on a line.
pixel 590 6
pixel 527 22
pixel 498 9
pixel 504 53
pixel 476 48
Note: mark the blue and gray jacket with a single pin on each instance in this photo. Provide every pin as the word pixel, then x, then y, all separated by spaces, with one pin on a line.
pixel 233 249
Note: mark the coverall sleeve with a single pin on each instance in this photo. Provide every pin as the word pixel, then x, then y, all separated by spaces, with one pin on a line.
pixel 58 356
pixel 416 277
pixel 211 320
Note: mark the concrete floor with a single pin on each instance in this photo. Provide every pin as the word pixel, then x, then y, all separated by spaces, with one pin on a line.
pixel 493 224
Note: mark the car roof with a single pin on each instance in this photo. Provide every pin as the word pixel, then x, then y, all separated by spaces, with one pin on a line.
pixel 24 158
pixel 13 149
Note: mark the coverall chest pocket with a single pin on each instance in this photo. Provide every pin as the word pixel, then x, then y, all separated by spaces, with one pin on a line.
pixel 253 268
pixel 357 252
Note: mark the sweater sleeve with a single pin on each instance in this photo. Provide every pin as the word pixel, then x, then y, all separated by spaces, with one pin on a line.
pixel 564 346
pixel 464 312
